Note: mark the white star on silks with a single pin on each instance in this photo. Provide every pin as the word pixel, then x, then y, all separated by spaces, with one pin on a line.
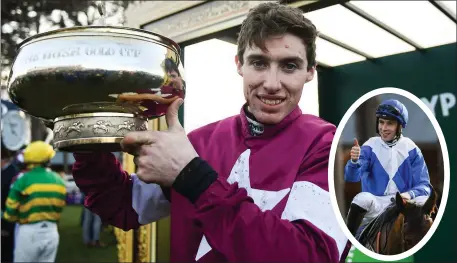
pixel 265 200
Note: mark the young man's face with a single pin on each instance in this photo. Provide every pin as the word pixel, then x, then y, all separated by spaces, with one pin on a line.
pixel 387 129
pixel 273 81
pixel 175 79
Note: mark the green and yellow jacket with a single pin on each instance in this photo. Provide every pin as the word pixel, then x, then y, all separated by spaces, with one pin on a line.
pixel 38 195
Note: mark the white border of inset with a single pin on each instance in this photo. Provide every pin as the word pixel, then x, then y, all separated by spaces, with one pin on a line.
pixel 331 165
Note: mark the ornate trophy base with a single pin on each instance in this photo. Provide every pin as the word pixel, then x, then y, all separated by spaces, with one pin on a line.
pixel 101 131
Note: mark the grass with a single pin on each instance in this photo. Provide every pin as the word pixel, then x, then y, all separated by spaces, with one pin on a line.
pixel 71 246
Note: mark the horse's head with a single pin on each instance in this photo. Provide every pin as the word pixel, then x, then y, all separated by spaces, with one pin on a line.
pixel 417 218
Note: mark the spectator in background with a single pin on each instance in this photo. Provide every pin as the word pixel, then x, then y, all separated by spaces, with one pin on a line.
pixel 35 201
pixel 92 225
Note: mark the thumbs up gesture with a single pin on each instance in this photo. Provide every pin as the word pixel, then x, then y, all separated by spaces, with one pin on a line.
pixel 161 155
pixel 355 151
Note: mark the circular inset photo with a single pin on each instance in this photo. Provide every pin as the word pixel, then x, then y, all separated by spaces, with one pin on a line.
pixel 389 174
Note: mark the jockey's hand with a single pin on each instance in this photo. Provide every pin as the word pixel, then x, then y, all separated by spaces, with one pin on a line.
pixel 405 196
pixel 355 151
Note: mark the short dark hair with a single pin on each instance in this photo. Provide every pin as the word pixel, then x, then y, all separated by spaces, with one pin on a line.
pixel 273 19
pixel 170 66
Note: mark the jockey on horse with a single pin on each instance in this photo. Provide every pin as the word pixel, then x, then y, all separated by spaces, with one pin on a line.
pixel 385 164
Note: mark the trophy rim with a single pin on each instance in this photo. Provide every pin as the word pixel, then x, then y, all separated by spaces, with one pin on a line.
pixel 105 29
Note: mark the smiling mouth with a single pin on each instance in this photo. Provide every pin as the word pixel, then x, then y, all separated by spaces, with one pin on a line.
pixel 271 102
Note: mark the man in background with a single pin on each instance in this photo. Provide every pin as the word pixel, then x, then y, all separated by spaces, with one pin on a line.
pixel 91 228
pixel 35 201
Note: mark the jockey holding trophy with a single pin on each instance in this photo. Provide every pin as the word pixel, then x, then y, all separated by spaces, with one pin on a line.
pixel 385 164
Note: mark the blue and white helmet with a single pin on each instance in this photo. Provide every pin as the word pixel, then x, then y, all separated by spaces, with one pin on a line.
pixel 392 109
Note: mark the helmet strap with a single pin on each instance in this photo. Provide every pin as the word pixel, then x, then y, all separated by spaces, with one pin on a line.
pixel 394 141
pixel 399 130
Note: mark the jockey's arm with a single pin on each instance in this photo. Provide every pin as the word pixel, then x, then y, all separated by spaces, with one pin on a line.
pixel 120 199
pixel 421 178
pixel 12 203
pixel 353 171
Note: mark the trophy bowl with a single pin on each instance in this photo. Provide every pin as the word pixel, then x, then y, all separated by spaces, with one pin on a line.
pixel 94 84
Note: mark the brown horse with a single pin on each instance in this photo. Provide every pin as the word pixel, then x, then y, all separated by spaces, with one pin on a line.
pixel 400 227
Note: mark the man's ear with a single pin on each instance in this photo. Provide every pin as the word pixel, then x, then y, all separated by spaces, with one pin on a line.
pixel 311 73
pixel 238 66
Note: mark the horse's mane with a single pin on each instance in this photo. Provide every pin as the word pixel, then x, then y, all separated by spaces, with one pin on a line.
pixel 382 223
